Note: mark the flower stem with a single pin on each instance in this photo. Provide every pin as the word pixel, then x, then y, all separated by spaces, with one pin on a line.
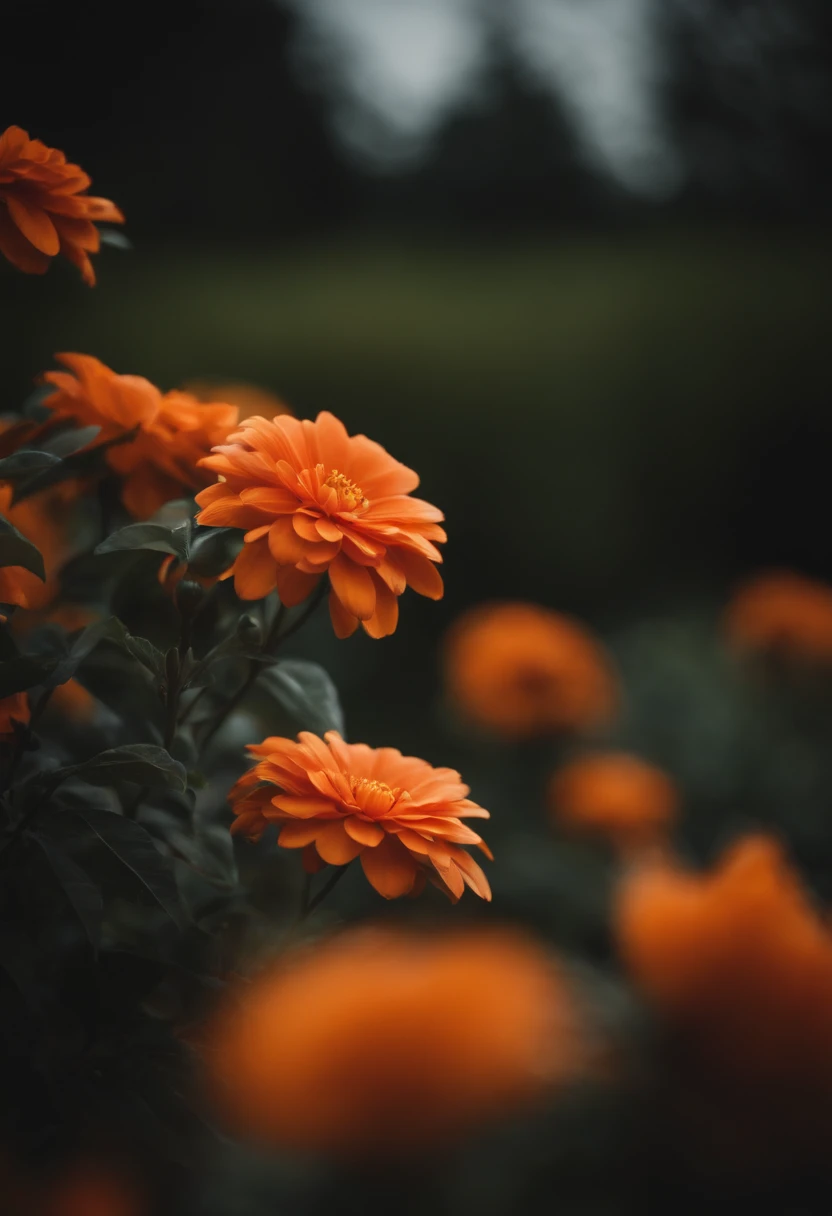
pixel 274 639
pixel 312 904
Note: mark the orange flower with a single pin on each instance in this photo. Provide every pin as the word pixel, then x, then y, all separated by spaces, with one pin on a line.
pixel 13 709
pixel 42 520
pixel 249 399
pixel 315 499
pixel 91 1190
pixel 740 962
pixel 520 670
pixel 173 430
pixel 616 796
pixel 391 1042
pixel 782 612
pixel 400 815
pixel 73 700
pixel 43 208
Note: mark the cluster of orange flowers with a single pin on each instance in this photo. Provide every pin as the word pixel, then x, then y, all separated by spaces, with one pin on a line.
pixel 382 1041
pixel 162 436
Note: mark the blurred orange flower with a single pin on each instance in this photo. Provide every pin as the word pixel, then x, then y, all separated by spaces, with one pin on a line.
pixel 520 671
pixel 91 1190
pixel 740 962
pixel 782 612
pixel 73 700
pixel 315 500
pixel 249 399
pixel 42 520
pixel 173 430
pixel 616 796
pixel 388 1042
pixel 13 709
pixel 400 815
pixel 44 209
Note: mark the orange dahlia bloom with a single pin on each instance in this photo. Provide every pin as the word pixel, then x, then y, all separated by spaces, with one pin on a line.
pixel 313 500
pixel 615 796
pixel 402 817
pixel 739 961
pixel 13 709
pixel 173 430
pixel 382 1041
pixel 520 671
pixel 782 612
pixel 249 399
pixel 42 520
pixel 44 209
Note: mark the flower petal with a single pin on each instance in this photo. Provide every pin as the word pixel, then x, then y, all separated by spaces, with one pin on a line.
pixel 335 846
pixel 367 834
pixel 389 868
pixel 353 586
pixel 255 573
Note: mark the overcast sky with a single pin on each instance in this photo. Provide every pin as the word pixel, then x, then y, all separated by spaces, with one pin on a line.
pixel 400 62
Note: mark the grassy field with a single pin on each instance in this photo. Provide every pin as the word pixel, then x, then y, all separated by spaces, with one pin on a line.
pixel 586 413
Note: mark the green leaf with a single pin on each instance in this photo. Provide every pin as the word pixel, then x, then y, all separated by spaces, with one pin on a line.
pixel 213 550
pixel 81 892
pixel 148 536
pixel 68 442
pixel 25 464
pixel 16 550
pixel 140 648
pixel 83 645
pixel 142 763
pixel 307 694
pixel 24 672
pixel 130 844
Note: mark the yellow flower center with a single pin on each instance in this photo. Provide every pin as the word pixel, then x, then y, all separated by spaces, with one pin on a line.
pixel 348 492
pixel 373 796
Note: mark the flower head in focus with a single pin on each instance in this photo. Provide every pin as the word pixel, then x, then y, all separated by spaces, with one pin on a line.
pixel 615 796
pixel 314 500
pixel 13 710
pixel 402 817
pixel 173 431
pixel 250 399
pixel 784 613
pixel 385 1042
pixel 44 207
pixel 521 671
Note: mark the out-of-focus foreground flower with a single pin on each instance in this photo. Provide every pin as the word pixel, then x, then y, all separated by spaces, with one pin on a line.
pixel 44 207
pixel 615 796
pixel 173 431
pixel 783 613
pixel 740 965
pixel 315 500
pixel 251 400
pixel 42 519
pixel 13 709
pixel 402 817
pixel 522 671
pixel 388 1042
